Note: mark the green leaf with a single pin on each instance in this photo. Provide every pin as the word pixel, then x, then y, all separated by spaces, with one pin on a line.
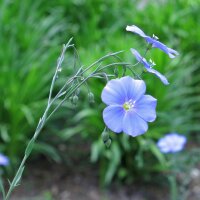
pixel 47 150
pixel 2 188
pixel 29 147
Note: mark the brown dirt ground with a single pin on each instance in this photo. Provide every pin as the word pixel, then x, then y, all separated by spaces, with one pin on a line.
pixel 56 182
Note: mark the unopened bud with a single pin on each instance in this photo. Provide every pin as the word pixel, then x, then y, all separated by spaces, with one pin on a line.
pixel 71 99
pixel 77 91
pixel 108 143
pixel 75 99
pixel 116 72
pixel 91 97
pixel 105 136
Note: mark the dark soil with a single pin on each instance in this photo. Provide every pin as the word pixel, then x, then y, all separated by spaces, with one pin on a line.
pixel 46 181
pixel 78 179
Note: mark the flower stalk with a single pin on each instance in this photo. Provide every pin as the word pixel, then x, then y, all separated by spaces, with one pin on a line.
pixel 67 91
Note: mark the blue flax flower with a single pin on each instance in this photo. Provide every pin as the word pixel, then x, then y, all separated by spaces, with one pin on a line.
pixel 153 41
pixel 128 109
pixel 172 143
pixel 4 161
pixel 148 66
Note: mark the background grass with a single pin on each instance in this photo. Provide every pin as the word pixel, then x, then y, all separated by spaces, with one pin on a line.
pixel 32 33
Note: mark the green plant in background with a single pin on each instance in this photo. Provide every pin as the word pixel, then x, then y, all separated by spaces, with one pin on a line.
pixel 128 108
pixel 25 38
pixel 30 33
pixel 180 97
pixel 69 91
pixel 180 164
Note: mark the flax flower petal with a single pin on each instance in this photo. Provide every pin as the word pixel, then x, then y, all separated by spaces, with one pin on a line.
pixel 159 75
pixel 148 66
pixel 172 143
pixel 133 124
pixel 136 30
pixel 146 108
pixel 113 117
pixel 134 88
pixel 113 93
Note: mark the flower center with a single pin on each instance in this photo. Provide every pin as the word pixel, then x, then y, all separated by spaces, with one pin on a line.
pixel 128 105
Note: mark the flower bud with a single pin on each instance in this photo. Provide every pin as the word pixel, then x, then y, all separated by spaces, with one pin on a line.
pixel 108 143
pixel 91 97
pixel 77 91
pixel 71 99
pixel 105 136
pixel 116 72
pixel 74 100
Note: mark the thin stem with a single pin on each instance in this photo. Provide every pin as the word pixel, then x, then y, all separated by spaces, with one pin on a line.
pixel 60 60
pixel 67 96
pixel 17 175
pixel 111 65
pixel 45 115
pixel 12 185
pixel 100 60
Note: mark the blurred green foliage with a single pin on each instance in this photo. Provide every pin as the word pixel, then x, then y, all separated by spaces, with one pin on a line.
pixel 31 34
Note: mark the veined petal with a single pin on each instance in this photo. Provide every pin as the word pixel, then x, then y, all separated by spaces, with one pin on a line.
pixel 148 66
pixel 159 75
pixel 145 107
pixel 172 53
pixel 139 58
pixel 134 88
pixel 157 44
pixel 136 30
pixel 113 93
pixel 113 117
pixel 133 124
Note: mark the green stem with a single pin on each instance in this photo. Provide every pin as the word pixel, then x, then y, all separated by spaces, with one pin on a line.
pixel 19 172
pixel 69 91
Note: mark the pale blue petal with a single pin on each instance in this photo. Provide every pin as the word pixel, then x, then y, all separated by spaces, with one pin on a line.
pixel 113 117
pixel 159 75
pixel 134 88
pixel 163 146
pixel 113 93
pixel 172 143
pixel 157 44
pixel 145 107
pixel 136 30
pixel 4 161
pixel 139 58
pixel 133 124
pixel 172 53
pixel 176 141
pixel 148 66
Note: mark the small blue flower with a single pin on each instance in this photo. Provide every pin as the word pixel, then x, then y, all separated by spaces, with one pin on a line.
pixel 172 143
pixel 128 109
pixel 148 66
pixel 155 43
pixel 4 161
